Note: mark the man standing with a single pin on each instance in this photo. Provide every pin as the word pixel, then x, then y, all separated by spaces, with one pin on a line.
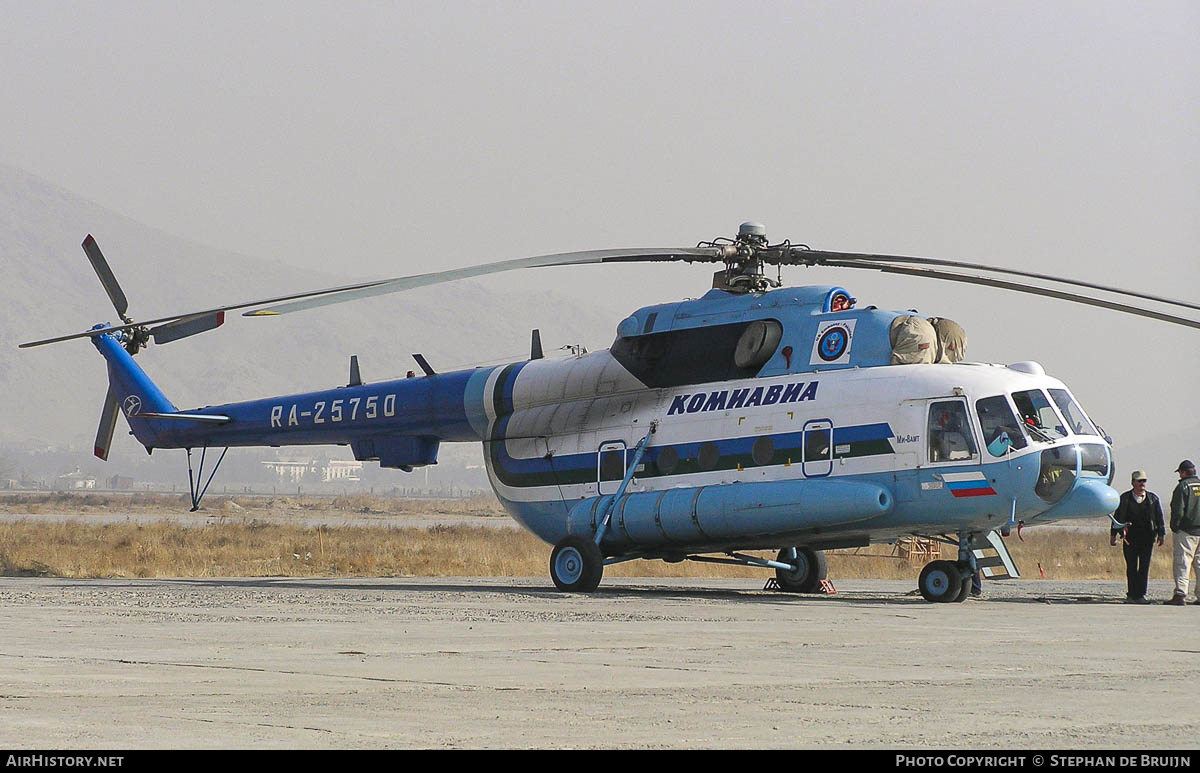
pixel 1185 523
pixel 1141 512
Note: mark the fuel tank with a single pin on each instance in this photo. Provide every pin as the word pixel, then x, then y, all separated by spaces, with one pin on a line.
pixel 707 515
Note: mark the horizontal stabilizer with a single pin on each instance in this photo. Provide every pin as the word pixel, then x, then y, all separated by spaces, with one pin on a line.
pixel 205 418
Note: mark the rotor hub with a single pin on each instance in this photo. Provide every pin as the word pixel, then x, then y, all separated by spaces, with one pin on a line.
pixel 743 265
pixel 752 232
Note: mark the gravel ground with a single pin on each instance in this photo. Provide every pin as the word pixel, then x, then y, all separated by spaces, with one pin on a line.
pixel 452 662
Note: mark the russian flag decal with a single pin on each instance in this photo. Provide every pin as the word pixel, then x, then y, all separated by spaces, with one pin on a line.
pixel 968 484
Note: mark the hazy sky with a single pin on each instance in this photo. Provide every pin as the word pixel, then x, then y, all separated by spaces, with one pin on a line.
pixel 391 138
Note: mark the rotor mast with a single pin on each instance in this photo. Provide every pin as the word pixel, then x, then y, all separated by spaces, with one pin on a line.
pixel 743 271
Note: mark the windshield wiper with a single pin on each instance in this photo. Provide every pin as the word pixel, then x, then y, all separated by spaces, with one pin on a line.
pixel 1038 433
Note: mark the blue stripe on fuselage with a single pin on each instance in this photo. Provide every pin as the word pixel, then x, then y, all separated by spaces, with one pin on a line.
pixel 510 467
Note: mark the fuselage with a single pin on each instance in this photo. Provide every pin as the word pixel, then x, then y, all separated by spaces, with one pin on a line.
pixel 811 438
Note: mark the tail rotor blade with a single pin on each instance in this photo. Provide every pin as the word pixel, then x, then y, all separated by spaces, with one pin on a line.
pixel 111 286
pixel 108 422
pixel 188 326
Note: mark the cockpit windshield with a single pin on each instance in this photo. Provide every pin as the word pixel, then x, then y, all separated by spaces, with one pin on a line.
pixel 1071 411
pixel 1001 432
pixel 1038 416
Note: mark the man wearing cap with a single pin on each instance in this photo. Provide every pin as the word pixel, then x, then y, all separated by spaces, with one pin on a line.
pixel 1142 515
pixel 1185 525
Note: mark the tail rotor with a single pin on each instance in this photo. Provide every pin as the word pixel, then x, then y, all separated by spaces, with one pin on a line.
pixel 135 337
pixel 108 423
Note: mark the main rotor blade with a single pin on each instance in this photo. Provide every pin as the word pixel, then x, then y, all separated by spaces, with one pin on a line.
pixel 349 292
pixel 822 257
pixel 188 326
pixel 107 278
pixel 181 317
pixel 1017 287
pixel 329 297
pixel 108 422
pixel 784 255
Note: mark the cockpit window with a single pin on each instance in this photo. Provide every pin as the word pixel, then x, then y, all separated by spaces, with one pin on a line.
pixel 950 437
pixel 1071 411
pixel 1001 431
pixel 1038 416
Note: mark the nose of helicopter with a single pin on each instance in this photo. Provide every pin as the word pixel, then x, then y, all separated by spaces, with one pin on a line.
pixel 1089 498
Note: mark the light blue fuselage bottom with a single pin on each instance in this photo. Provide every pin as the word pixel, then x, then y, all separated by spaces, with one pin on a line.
pixel 546 520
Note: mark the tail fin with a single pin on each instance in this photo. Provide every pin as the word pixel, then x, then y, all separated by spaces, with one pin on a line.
pixel 133 392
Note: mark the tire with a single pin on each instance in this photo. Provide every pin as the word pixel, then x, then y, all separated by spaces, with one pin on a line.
pixel 811 568
pixel 576 565
pixel 965 593
pixel 942 582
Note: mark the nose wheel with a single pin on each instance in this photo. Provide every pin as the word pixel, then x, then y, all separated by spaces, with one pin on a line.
pixel 944 582
pixel 576 565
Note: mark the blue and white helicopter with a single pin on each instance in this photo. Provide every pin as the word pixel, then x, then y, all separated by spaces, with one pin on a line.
pixel 754 418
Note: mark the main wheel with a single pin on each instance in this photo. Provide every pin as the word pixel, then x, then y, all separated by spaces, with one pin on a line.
pixel 576 565
pixel 966 587
pixel 942 581
pixel 810 570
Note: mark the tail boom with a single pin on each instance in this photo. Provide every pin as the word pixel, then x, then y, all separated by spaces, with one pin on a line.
pixel 402 420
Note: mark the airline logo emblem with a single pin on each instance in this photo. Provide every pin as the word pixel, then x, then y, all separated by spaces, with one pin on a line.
pixel 831 345
pixel 132 405
pixel 968 484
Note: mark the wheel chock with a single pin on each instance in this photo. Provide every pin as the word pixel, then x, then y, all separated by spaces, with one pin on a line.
pixel 827 588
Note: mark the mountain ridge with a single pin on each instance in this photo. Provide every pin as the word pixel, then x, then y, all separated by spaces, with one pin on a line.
pixel 55 392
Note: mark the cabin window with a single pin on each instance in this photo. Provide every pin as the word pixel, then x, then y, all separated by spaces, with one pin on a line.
pixel 1076 420
pixel 763 451
pixel 950 438
pixel 816 445
pixel 1038 416
pixel 709 456
pixel 668 460
pixel 612 464
pixel 1001 431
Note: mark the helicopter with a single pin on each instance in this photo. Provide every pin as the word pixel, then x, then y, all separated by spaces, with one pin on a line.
pixel 756 417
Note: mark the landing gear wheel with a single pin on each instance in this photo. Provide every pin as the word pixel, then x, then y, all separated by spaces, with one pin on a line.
pixel 966 587
pixel 576 565
pixel 942 581
pixel 810 570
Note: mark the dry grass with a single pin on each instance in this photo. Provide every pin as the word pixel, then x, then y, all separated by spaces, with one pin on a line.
pixel 250 548
pixel 166 504
pixel 257 549
pixel 243 546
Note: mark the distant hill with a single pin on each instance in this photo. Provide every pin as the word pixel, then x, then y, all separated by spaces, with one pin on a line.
pixel 1158 458
pixel 52 395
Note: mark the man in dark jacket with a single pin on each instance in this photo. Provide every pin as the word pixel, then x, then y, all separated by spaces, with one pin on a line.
pixel 1185 528
pixel 1142 515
